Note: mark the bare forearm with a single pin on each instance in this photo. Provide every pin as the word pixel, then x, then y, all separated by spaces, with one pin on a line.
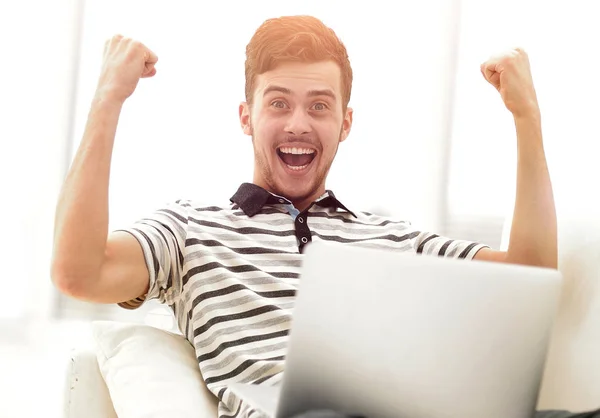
pixel 533 238
pixel 81 223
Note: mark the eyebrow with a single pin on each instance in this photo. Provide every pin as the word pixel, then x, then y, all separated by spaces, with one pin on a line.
pixel 311 93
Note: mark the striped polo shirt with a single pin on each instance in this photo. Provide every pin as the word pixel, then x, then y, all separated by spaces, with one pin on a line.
pixel 230 274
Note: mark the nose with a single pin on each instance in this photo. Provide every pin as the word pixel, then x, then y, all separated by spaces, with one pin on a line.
pixel 298 123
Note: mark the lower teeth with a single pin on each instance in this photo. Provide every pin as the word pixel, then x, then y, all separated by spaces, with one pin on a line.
pixel 297 167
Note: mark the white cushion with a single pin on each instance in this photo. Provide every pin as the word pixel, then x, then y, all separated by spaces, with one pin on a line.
pixel 572 375
pixel 151 372
pixel 86 393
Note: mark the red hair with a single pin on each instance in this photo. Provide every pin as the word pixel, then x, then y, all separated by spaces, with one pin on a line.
pixel 295 39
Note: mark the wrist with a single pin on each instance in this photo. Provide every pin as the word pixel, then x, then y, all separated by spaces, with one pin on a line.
pixel 529 114
pixel 105 107
pixel 105 97
pixel 532 119
pixel 529 133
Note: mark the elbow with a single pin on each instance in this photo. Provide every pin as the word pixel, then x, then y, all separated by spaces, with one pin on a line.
pixel 542 262
pixel 533 260
pixel 62 281
pixel 550 263
pixel 68 282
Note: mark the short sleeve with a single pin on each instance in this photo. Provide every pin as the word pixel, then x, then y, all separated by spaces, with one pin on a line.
pixel 432 244
pixel 162 238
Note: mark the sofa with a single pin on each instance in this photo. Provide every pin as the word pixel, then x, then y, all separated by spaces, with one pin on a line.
pixel 572 375
pixel 149 370
pixel 134 370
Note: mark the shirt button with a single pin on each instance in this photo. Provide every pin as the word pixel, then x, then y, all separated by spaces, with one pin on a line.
pixel 304 240
pixel 301 220
pixel 281 201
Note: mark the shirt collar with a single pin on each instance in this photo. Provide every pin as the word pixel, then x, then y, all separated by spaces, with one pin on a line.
pixel 251 199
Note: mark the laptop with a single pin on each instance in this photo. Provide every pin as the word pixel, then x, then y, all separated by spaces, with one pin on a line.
pixel 381 334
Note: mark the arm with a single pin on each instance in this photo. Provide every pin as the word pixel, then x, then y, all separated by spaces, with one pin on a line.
pixel 87 263
pixel 533 237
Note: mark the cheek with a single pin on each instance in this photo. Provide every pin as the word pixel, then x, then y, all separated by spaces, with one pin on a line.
pixel 330 137
pixel 268 131
pixel 264 134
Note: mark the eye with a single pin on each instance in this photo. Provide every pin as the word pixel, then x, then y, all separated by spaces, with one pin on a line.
pixel 320 106
pixel 279 104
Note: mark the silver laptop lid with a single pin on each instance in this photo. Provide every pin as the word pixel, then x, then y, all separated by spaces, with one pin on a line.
pixel 385 334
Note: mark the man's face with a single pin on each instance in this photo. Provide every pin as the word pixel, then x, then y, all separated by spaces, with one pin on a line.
pixel 296 122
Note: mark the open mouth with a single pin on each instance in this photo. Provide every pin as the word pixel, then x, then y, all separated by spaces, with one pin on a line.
pixel 296 158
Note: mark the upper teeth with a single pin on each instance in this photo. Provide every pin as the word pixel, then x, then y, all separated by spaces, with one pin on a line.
pixel 286 150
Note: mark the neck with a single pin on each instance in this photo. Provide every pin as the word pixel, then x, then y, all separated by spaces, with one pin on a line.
pixel 300 203
pixel 303 203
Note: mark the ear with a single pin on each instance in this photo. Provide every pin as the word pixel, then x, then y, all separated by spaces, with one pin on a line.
pixel 347 124
pixel 245 122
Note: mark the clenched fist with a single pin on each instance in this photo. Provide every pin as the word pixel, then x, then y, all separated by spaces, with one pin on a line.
pixel 125 62
pixel 510 74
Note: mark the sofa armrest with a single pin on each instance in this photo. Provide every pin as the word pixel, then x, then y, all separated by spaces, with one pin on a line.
pixel 86 394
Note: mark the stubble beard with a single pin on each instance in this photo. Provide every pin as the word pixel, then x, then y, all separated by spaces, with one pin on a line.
pixel 261 161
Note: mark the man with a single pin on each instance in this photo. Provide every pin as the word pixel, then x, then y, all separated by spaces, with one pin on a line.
pixel 230 272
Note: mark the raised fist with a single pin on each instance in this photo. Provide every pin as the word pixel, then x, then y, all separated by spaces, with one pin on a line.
pixel 125 62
